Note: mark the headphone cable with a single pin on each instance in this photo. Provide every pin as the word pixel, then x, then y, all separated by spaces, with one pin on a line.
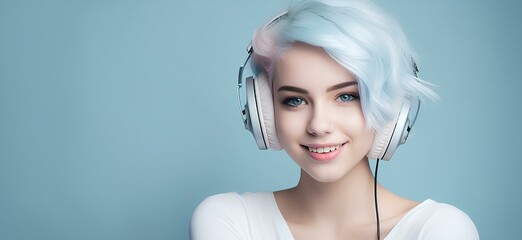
pixel 375 199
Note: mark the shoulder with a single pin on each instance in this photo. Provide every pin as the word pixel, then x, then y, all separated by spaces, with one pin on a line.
pixel 218 217
pixel 225 216
pixel 218 202
pixel 431 220
pixel 448 222
pixel 232 202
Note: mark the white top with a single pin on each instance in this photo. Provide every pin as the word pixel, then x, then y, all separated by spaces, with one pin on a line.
pixel 255 216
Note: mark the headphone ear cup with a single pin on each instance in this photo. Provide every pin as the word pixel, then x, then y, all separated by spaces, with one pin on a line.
pixel 252 119
pixel 381 141
pixel 392 135
pixel 265 107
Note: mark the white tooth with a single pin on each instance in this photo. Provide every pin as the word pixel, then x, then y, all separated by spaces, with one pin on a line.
pixel 324 149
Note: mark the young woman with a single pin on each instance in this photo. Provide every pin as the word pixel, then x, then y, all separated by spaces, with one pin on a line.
pixel 334 85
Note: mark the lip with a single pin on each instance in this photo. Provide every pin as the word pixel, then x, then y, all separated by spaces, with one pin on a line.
pixel 324 157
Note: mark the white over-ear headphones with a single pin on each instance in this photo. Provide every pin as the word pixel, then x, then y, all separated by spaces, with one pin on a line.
pixel 258 114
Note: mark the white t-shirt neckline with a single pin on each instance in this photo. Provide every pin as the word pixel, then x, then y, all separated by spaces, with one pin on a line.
pixel 284 229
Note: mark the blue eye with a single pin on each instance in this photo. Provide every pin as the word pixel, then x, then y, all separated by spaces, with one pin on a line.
pixel 345 97
pixel 293 102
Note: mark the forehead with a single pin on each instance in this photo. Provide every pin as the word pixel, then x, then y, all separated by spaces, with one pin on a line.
pixel 308 66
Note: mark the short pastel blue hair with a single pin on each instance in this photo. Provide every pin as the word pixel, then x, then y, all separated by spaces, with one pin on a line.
pixel 359 36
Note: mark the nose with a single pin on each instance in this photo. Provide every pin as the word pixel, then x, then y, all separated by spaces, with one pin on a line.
pixel 320 122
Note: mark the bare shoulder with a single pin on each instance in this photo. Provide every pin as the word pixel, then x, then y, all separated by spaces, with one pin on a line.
pixel 393 209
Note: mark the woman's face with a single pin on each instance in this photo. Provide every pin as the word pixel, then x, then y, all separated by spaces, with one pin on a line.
pixel 318 114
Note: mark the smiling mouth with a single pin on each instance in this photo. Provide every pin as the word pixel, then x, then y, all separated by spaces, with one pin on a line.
pixel 324 149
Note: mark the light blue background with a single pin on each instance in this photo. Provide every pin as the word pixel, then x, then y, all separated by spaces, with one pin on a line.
pixel 118 117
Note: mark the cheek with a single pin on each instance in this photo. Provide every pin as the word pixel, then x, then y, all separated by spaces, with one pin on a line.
pixel 289 125
pixel 358 130
pixel 367 143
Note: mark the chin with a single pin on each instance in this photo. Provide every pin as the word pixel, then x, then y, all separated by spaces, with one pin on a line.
pixel 325 175
pixel 335 171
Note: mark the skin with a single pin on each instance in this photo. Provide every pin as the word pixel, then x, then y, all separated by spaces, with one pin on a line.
pixel 316 103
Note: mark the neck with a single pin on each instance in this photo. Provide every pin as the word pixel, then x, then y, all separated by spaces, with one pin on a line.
pixel 349 197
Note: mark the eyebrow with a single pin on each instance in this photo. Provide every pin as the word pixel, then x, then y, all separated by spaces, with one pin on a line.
pixel 329 89
pixel 341 85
